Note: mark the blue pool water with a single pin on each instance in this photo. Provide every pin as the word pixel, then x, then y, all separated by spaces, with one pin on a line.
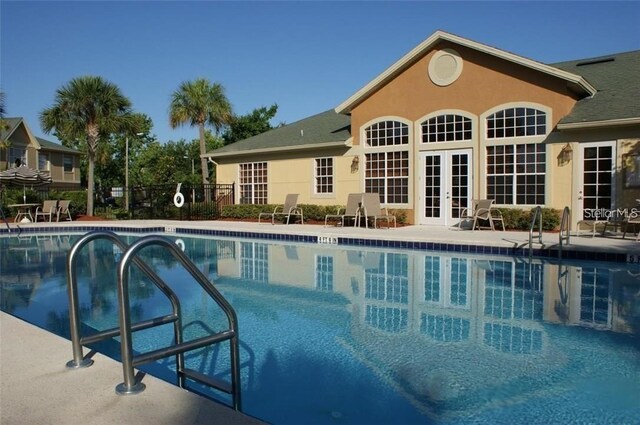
pixel 340 335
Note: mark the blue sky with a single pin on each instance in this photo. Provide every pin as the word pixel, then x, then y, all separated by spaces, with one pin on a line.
pixel 305 56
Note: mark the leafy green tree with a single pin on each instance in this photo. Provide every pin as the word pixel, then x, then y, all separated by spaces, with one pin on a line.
pixel 89 109
pixel 200 103
pixel 162 163
pixel 244 126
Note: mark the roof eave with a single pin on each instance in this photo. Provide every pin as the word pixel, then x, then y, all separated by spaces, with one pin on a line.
pixel 342 143
pixel 599 124
pixel 346 106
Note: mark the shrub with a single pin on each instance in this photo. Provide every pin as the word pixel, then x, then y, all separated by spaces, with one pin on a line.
pixel 518 219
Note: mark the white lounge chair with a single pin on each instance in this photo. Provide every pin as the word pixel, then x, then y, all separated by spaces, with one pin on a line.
pixel 371 209
pixel 352 211
pixel 482 211
pixel 48 209
pixel 63 209
pixel 290 208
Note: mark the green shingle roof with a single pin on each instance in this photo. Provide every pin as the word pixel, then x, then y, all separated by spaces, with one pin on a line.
pixel 327 128
pixel 51 146
pixel 617 79
pixel 11 124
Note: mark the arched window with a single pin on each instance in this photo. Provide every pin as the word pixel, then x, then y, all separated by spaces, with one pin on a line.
pixel 516 168
pixel 516 122
pixel 387 161
pixel 446 128
pixel 387 133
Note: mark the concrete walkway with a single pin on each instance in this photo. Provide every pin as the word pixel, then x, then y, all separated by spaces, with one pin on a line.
pixel 36 388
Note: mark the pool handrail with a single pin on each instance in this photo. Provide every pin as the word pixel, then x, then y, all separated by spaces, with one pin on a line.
pixel 77 341
pixel 125 328
pixel 565 230
pixel 129 361
pixel 537 218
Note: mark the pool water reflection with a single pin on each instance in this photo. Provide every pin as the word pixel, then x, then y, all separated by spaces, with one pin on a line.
pixel 336 334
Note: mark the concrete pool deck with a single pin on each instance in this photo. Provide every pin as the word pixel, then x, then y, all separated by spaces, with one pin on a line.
pixel 36 388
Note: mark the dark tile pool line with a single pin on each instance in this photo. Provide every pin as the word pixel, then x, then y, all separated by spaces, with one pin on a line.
pixel 422 246
pixel 377 243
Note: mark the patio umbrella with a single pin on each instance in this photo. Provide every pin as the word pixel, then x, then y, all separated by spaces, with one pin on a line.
pixel 24 176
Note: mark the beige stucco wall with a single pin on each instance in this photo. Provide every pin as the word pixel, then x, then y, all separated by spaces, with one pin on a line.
pixel 485 85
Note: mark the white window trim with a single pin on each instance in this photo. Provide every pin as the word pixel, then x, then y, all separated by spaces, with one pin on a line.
pixel 395 148
pixel 314 188
pixel 64 159
pixel 47 166
pixel 239 180
pixel 11 158
pixel 518 140
pixel 446 145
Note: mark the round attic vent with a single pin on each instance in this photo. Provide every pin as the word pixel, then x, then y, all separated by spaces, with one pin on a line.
pixel 445 67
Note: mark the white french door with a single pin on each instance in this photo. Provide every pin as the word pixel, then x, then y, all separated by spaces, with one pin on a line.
pixel 596 190
pixel 445 186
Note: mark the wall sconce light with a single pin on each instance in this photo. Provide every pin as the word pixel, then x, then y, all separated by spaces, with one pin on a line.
pixel 354 164
pixel 566 154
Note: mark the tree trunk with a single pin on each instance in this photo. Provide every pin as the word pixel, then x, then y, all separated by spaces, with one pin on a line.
pixel 203 150
pixel 90 184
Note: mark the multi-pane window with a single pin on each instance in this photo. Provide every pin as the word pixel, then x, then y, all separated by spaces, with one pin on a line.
pixel 324 272
pixel 68 164
pixel 516 174
pixel 516 122
pixel 387 173
pixel 324 175
pixel 254 261
pixel 446 128
pixel 387 133
pixel 17 153
pixel 43 161
pixel 253 183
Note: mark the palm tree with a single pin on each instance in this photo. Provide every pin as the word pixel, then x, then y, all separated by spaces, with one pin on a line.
pixel 200 103
pixel 90 109
pixel 4 144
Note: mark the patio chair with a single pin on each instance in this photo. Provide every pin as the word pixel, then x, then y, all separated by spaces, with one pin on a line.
pixel 632 220
pixel 48 208
pixel 482 212
pixel 63 209
pixel 290 208
pixel 592 227
pixel 371 209
pixel 354 202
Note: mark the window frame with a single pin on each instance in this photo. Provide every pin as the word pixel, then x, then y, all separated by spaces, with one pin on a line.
pixel 516 141
pixel 12 156
pixel 330 177
pixel 390 170
pixel 253 184
pixel 47 164
pixel 67 160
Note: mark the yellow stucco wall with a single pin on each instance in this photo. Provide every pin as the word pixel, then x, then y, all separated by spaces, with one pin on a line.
pixel 293 173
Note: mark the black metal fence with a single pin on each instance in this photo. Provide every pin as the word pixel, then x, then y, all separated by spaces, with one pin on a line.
pixel 195 202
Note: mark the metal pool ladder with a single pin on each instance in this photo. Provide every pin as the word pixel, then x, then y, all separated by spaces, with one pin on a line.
pixel 565 230
pixel 125 329
pixel 537 217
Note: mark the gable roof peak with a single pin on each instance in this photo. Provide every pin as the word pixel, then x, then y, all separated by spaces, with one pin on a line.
pixel 417 52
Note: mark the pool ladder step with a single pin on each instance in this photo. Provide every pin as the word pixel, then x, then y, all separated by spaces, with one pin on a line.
pixel 126 328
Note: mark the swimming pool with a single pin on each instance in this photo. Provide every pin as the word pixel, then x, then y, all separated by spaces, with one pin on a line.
pixel 347 335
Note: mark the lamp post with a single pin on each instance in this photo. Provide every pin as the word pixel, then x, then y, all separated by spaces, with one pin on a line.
pixel 126 171
pixel 193 171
